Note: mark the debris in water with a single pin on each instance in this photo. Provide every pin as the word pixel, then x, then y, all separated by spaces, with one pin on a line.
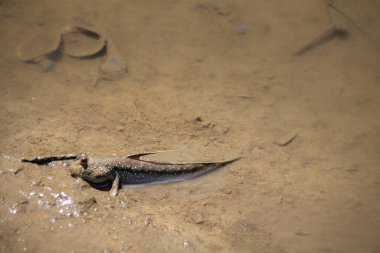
pixel 301 233
pixel 329 34
pixel 286 139
pixel 36 183
pixel 16 171
pixel 114 67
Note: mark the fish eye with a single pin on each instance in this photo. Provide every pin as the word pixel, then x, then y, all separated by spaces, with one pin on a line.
pixel 83 161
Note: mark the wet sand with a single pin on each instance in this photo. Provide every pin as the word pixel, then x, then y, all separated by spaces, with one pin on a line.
pixel 212 80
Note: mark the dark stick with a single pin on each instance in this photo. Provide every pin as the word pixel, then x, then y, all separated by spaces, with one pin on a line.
pixel 330 33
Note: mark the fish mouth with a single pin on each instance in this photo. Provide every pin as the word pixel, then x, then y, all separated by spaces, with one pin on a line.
pixel 75 173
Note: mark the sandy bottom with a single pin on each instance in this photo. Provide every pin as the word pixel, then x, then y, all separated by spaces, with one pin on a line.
pixel 212 80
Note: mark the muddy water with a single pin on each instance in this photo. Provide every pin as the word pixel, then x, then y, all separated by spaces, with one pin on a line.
pixel 212 80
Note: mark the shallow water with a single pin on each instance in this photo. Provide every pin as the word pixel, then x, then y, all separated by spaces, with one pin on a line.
pixel 212 80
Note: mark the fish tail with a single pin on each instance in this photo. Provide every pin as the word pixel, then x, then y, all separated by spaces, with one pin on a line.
pixel 212 166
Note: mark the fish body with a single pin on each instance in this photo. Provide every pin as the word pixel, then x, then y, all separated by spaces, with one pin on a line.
pixel 132 171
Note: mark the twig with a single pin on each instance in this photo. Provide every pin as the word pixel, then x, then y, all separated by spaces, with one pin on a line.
pixel 329 34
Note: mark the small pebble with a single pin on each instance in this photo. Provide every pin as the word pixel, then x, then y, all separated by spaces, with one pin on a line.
pixel 197 218
pixel 120 129
pixel 147 221
pixel 36 183
pixel 240 29
pixel 227 190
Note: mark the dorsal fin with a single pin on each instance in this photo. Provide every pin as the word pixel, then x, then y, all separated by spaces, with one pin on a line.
pixel 137 156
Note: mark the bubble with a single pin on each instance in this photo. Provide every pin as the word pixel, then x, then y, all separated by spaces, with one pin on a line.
pixel 66 205
pixel 13 209
pixel 185 243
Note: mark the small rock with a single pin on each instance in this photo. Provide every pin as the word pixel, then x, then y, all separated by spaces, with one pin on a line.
pixel 120 129
pixel 147 221
pixel 197 218
pixel 36 183
pixel 198 119
pixel 110 206
pixel 227 190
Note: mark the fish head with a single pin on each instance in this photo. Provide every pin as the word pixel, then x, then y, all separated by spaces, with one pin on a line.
pixel 79 168
pixel 89 172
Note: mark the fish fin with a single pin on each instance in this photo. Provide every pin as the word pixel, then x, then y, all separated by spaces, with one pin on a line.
pixel 137 156
pixel 229 161
pixel 212 166
pixel 115 186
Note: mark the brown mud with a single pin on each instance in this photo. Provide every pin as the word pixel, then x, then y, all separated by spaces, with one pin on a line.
pixel 212 80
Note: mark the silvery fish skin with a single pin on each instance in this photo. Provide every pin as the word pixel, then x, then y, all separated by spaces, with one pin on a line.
pixel 132 171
